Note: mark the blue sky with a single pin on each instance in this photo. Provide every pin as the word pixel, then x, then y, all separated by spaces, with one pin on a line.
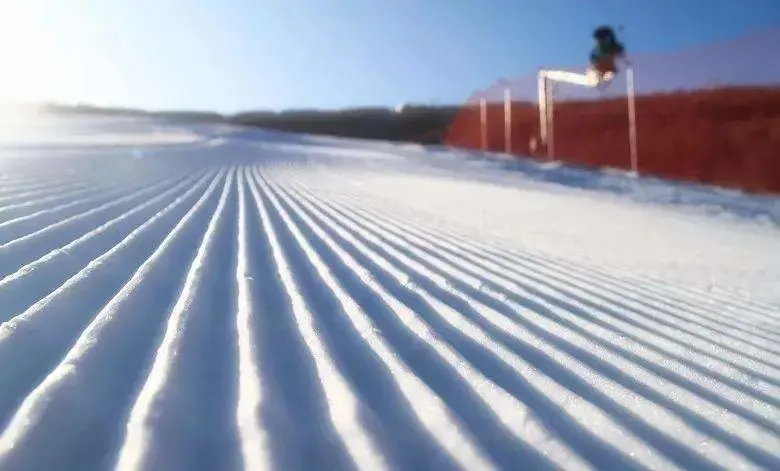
pixel 230 55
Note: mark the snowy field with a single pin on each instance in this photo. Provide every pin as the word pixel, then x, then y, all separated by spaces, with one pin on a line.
pixel 197 297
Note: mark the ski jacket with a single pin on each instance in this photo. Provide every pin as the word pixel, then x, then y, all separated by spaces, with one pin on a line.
pixel 606 49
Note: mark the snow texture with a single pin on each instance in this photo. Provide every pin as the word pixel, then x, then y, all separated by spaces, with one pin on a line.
pixel 202 297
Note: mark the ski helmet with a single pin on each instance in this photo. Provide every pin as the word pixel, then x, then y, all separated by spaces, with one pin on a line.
pixel 603 33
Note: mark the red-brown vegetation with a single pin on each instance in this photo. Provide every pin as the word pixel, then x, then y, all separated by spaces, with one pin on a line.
pixel 727 136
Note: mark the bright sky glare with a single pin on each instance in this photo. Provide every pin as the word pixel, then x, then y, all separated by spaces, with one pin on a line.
pixel 229 55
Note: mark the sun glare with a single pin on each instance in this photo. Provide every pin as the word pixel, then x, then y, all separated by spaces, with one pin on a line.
pixel 26 73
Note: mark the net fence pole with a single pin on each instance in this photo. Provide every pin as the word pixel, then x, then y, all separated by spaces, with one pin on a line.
pixel 634 153
pixel 542 85
pixel 550 121
pixel 508 121
pixel 483 123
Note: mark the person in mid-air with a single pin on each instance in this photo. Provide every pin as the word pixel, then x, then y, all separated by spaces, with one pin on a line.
pixel 606 51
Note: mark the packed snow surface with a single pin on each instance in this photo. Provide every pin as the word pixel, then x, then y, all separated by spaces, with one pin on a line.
pixel 201 297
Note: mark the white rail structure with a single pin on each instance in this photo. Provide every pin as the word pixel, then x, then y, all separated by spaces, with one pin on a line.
pixel 590 79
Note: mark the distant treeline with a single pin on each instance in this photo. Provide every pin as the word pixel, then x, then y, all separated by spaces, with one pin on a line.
pixel 58 109
pixel 421 124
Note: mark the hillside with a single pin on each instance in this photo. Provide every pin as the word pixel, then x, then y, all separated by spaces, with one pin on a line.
pixel 726 136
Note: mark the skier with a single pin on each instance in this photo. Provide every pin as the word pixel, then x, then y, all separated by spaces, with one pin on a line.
pixel 606 51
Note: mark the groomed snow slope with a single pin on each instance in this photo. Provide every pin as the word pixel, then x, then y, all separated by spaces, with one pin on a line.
pixel 238 299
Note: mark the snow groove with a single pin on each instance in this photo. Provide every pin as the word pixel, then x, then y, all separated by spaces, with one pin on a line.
pixel 271 301
pixel 649 294
pixel 27 194
pixel 254 440
pixel 47 237
pixel 71 203
pixel 654 289
pixel 77 188
pixel 500 401
pixel 428 408
pixel 762 440
pixel 502 285
pixel 135 450
pixel 342 403
pixel 19 442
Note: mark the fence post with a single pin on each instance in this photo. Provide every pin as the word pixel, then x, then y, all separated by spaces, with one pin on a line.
pixel 483 123
pixel 634 152
pixel 507 121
